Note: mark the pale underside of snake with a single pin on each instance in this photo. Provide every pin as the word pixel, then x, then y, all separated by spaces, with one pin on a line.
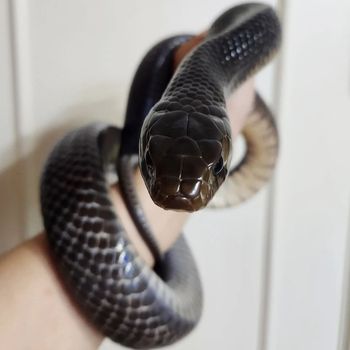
pixel 185 152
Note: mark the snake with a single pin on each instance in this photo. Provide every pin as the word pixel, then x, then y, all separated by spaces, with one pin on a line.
pixel 177 130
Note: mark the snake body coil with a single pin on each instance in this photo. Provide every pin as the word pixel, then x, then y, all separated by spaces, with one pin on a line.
pixel 185 151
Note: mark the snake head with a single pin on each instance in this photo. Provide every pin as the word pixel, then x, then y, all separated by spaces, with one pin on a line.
pixel 184 158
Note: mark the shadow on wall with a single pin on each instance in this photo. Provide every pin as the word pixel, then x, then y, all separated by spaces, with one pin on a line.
pixel 19 182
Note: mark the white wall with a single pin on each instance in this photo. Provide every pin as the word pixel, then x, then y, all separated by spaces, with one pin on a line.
pixel 275 270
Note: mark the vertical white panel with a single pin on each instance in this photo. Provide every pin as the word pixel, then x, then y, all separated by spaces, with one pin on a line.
pixel 7 136
pixel 344 322
pixel 312 186
pixel 11 176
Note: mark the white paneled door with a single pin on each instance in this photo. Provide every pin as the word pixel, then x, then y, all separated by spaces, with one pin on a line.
pixel 275 270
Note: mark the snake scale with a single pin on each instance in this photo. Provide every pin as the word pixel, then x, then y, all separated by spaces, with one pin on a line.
pixel 185 150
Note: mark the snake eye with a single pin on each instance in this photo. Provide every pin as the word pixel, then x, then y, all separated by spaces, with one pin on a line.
pixel 218 166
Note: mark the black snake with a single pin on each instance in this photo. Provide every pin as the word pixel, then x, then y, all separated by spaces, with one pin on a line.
pixel 185 152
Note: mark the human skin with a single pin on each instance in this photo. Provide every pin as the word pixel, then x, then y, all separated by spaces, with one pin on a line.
pixel 36 309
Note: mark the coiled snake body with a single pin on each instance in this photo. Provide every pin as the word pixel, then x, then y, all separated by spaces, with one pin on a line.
pixel 185 151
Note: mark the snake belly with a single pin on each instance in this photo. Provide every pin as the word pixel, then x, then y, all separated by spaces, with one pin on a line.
pixel 128 301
